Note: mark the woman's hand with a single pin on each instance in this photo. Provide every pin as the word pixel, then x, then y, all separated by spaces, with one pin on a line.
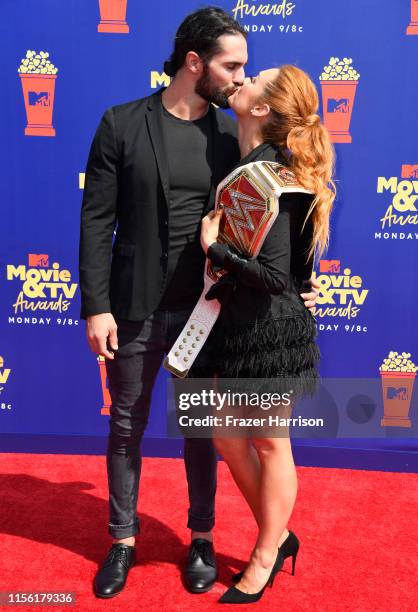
pixel 210 228
pixel 310 298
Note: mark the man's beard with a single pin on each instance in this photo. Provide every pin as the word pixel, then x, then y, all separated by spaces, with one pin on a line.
pixel 209 92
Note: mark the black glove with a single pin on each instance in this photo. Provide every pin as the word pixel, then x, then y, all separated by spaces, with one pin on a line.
pixel 223 289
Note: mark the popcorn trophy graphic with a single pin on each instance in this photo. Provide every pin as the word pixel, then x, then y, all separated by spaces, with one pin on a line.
pixel 37 75
pixel 339 82
pixel 413 26
pixel 107 400
pixel 398 376
pixel 113 17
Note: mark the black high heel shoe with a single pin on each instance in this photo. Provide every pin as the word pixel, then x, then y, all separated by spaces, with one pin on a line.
pixel 235 596
pixel 289 548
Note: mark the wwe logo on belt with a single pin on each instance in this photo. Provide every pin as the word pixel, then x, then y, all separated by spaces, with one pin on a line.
pixel 238 215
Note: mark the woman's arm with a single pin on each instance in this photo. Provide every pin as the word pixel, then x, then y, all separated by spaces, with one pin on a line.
pixel 302 265
pixel 270 270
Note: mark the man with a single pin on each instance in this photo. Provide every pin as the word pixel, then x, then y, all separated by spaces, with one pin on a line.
pixel 152 170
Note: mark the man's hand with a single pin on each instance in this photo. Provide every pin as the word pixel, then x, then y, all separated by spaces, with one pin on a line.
pixel 99 328
pixel 310 298
pixel 210 228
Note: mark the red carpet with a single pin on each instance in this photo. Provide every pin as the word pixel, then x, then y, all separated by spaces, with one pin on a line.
pixel 357 531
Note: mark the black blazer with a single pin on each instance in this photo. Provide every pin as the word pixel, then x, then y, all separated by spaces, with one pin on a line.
pixel 127 187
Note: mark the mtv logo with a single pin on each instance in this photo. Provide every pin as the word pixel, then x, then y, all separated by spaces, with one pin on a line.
pixel 399 393
pixel 409 171
pixel 38 98
pixel 338 106
pixel 38 261
pixel 329 265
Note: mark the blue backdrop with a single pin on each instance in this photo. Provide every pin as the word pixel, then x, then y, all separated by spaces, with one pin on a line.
pixel 96 54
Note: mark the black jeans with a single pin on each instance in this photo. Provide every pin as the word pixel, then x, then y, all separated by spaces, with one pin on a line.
pixel 131 376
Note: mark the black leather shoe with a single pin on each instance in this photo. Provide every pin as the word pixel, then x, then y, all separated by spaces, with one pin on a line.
pixel 111 577
pixel 201 570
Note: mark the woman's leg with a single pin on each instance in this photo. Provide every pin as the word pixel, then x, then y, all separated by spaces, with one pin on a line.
pixel 244 465
pixel 276 499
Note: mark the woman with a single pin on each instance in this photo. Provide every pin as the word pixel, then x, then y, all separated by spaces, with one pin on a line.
pixel 264 329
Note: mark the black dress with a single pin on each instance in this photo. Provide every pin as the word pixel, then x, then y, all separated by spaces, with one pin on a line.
pixel 264 329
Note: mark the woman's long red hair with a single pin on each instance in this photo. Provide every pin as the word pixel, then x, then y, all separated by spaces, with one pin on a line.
pixel 295 126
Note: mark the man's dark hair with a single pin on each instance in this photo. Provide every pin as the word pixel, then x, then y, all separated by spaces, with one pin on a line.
pixel 199 32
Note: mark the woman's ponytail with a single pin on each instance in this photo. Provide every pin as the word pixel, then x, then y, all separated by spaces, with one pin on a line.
pixel 295 126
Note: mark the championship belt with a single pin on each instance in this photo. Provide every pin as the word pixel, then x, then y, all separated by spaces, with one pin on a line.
pixel 250 198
